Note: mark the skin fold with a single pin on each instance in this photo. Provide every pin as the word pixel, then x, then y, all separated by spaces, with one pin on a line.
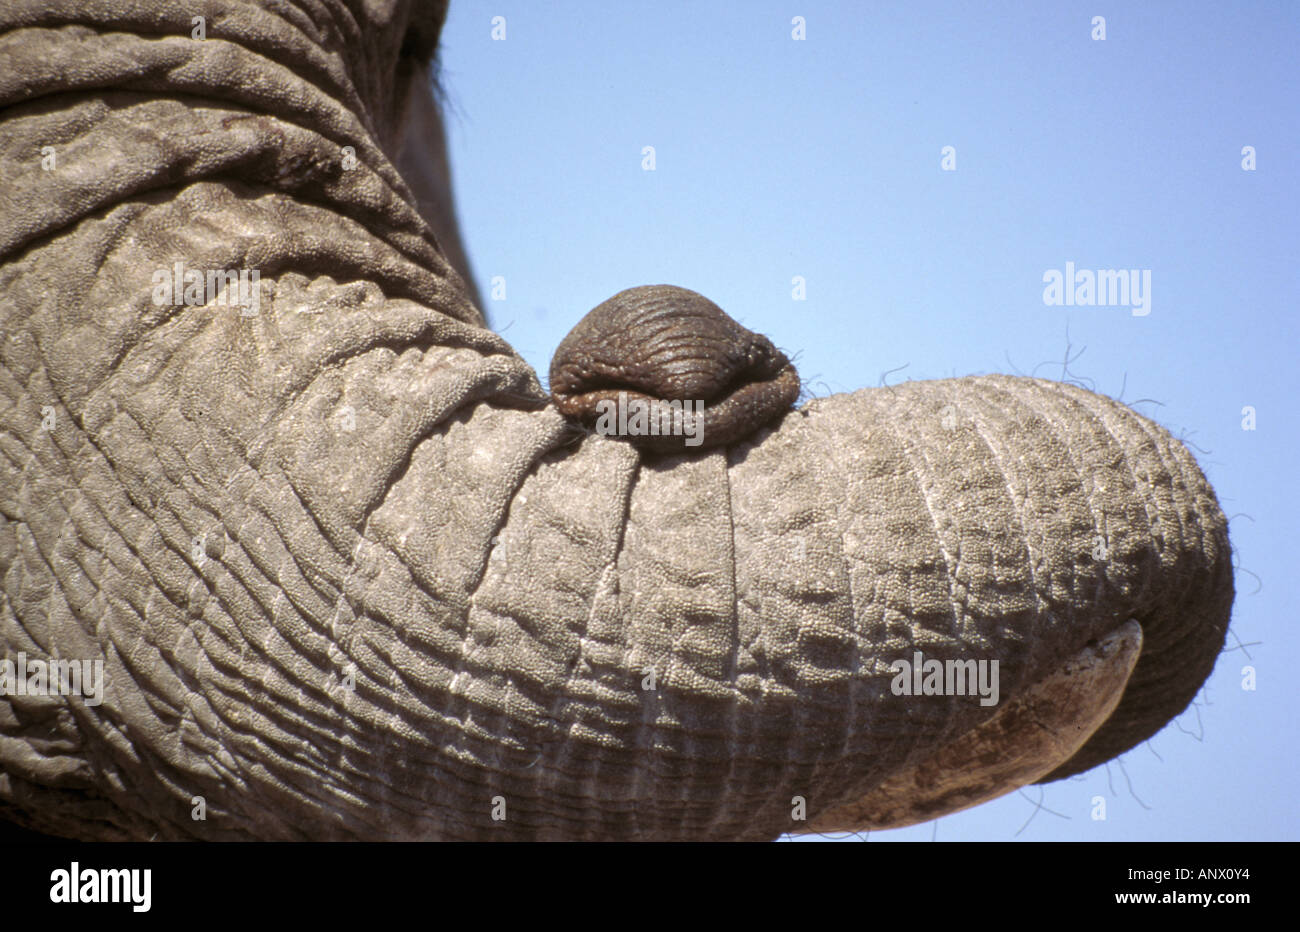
pixel 348 574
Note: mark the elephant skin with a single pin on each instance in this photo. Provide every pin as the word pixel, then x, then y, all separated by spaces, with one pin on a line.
pixel 350 576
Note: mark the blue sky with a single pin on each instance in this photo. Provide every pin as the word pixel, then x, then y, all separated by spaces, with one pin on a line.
pixel 821 158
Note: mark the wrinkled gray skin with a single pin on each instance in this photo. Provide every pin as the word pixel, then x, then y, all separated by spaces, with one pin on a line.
pixel 351 577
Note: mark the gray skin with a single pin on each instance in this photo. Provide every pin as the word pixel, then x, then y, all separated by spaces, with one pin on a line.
pixel 350 575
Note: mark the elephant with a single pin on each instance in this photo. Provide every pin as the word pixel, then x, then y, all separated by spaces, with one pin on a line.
pixel 348 574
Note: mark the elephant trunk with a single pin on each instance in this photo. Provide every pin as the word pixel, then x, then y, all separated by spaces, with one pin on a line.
pixel 1054 519
pixel 349 577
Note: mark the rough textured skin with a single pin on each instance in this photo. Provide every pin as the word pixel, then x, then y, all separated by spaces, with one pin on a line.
pixel 347 578
pixel 662 343
pixel 1047 723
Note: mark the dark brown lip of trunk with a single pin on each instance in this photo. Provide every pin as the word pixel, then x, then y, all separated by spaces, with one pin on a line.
pixel 610 390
